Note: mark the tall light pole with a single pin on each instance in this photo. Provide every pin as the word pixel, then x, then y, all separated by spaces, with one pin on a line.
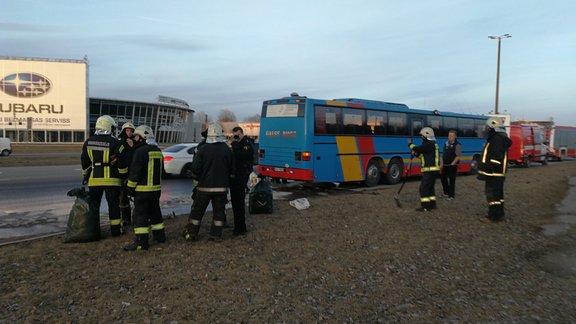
pixel 499 38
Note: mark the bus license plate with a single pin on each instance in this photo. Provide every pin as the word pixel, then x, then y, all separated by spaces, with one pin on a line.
pixel 279 169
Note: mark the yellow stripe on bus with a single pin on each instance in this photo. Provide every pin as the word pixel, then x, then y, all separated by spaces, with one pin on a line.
pixel 349 158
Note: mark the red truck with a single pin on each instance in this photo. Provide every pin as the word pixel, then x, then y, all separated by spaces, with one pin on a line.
pixel 562 142
pixel 528 145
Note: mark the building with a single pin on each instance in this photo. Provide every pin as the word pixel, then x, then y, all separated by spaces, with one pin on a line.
pixel 170 118
pixel 46 101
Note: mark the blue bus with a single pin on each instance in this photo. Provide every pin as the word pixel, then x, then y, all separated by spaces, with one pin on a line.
pixel 348 140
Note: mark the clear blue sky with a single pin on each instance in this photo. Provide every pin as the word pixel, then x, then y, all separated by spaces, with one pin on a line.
pixel 235 54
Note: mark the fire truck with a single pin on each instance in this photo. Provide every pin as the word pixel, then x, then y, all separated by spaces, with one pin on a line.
pixel 528 144
pixel 562 142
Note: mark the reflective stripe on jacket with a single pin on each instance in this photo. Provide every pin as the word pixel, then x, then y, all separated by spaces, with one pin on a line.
pixel 495 155
pixel 428 155
pixel 146 169
pixel 103 161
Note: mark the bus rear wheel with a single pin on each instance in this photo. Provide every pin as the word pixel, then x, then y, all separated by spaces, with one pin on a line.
pixel 394 174
pixel 372 174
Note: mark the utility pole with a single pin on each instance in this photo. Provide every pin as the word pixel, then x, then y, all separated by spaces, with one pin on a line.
pixel 499 38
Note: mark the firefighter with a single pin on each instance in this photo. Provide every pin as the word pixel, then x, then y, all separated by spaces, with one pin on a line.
pixel 428 154
pixel 212 167
pixel 126 136
pixel 103 167
pixel 492 168
pixel 144 184
pixel 243 162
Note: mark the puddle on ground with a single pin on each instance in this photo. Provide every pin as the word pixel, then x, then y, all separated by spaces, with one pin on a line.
pixel 561 263
pixel 567 219
pixel 554 229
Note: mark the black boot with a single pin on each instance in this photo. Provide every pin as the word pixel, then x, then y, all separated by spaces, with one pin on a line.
pixel 215 233
pixel 126 216
pixel 433 204
pixel 115 230
pixel 159 235
pixel 191 232
pixel 139 243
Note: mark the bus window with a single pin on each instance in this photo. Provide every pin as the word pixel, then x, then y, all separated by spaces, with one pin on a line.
pixel 352 121
pixel 327 120
pixel 417 125
pixel 466 127
pixel 480 126
pixel 377 122
pixel 435 122
pixel 450 123
pixel 397 124
pixel 283 110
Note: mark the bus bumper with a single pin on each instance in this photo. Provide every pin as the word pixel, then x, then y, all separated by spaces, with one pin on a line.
pixel 286 173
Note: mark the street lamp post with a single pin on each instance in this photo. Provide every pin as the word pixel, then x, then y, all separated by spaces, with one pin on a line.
pixel 499 38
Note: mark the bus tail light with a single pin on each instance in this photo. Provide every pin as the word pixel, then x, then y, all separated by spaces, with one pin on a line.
pixel 260 153
pixel 306 156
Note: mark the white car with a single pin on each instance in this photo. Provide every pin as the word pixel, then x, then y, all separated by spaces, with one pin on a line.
pixel 5 146
pixel 178 159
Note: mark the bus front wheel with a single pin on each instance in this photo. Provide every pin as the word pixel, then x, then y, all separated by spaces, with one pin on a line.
pixel 372 174
pixel 394 174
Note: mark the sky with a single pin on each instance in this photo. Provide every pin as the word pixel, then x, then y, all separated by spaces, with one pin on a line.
pixel 225 54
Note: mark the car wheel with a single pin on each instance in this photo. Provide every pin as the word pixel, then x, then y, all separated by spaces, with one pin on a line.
pixel 5 153
pixel 186 171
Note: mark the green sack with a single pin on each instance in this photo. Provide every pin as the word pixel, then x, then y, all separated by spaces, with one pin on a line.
pixel 83 223
pixel 260 200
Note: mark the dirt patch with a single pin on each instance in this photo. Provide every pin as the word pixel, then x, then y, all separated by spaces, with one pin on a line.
pixel 351 257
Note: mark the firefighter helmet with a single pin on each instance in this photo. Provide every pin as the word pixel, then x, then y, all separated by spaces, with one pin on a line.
pixel 214 134
pixel 105 123
pixel 145 132
pixel 128 125
pixel 428 133
pixel 495 122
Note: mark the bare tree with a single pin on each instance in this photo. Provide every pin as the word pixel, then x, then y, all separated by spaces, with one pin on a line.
pixel 253 119
pixel 226 115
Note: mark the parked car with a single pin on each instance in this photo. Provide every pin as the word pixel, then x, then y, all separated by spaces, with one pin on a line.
pixel 178 159
pixel 5 146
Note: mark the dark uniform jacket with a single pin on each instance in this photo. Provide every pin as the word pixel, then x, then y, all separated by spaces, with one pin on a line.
pixel 146 168
pixel 212 166
pixel 495 155
pixel 428 154
pixel 243 158
pixel 450 152
pixel 103 161
pixel 128 150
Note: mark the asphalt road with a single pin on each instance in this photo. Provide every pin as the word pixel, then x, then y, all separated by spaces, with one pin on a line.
pixel 33 200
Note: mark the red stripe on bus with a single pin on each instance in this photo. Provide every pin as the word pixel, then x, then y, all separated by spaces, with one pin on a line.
pixel 355 105
pixel 286 173
pixel 365 145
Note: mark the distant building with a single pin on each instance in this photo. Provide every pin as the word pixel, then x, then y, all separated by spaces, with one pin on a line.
pixel 46 100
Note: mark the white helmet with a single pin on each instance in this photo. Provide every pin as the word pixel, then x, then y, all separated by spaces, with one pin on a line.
pixel 428 133
pixel 214 133
pixel 128 125
pixel 495 122
pixel 145 132
pixel 105 124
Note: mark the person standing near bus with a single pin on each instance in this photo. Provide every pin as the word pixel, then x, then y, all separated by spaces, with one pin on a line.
pixel 428 155
pixel 492 168
pixel 212 167
pixel 243 161
pixel 449 164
